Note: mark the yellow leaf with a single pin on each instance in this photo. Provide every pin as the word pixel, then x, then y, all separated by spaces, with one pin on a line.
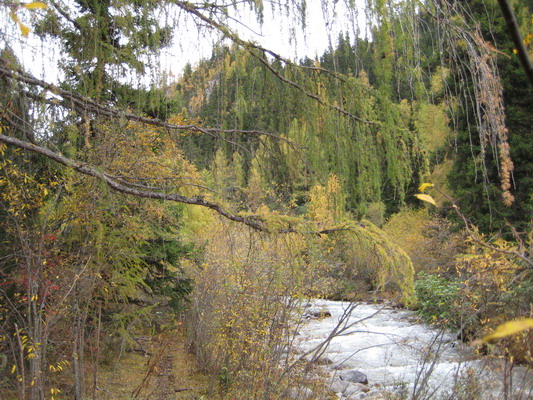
pixel 510 328
pixel 24 29
pixel 425 186
pixel 13 369
pixel 34 4
pixel 14 17
pixel 426 197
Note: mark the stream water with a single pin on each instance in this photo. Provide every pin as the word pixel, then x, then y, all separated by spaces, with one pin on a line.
pixel 398 353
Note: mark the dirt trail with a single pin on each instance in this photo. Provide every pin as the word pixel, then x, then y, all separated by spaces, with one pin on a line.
pixel 162 370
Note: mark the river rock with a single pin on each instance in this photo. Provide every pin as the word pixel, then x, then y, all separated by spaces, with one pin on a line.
pixel 355 389
pixel 301 393
pixel 354 376
pixel 337 385
pixel 316 313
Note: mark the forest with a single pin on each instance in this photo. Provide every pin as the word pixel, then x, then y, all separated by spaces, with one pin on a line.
pixel 164 233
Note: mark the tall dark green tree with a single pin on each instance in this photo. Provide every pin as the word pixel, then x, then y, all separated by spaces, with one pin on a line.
pixel 104 40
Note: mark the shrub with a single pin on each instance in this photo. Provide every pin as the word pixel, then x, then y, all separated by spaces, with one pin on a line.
pixel 437 298
pixel 242 310
pixel 427 239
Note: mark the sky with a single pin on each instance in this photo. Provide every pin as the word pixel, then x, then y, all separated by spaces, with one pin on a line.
pixel 278 33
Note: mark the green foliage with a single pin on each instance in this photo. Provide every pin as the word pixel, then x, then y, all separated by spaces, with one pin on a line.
pixel 432 125
pixel 164 276
pixel 103 34
pixel 518 296
pixel 375 213
pixel 93 256
pixel 437 299
pixel 483 291
pixel 375 163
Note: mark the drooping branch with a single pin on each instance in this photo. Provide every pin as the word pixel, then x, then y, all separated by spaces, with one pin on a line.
pixel 75 101
pixel 114 184
pixel 120 185
pixel 64 14
pixel 256 50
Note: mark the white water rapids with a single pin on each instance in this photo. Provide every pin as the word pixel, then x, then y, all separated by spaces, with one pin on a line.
pixel 400 354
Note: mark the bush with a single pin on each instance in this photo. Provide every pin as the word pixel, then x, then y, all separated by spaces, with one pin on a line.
pixel 244 308
pixel 437 299
pixel 428 239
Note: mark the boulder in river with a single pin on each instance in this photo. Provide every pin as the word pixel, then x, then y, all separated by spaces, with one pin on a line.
pixel 355 389
pixel 316 313
pixel 338 385
pixel 347 389
pixel 354 376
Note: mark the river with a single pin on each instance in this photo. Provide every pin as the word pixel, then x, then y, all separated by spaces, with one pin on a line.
pixel 400 354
